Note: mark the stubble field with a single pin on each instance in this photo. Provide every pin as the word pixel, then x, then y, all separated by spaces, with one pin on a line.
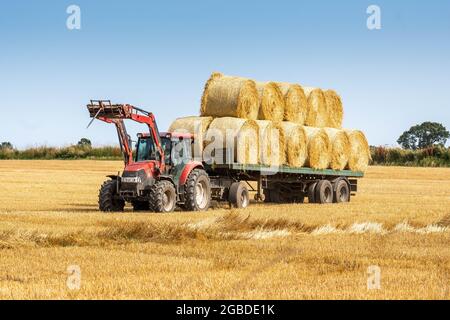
pixel 55 244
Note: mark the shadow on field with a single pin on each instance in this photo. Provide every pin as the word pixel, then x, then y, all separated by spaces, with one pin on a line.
pixel 231 226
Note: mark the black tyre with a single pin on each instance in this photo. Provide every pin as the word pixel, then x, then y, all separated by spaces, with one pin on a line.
pixel 163 197
pixel 342 192
pixel 324 192
pixel 197 191
pixel 267 195
pixel 312 192
pixel 107 198
pixel 280 195
pixel 299 198
pixel 275 196
pixel 238 195
pixel 140 205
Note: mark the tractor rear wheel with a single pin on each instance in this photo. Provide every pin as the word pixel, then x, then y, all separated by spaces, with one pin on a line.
pixel 140 205
pixel 197 191
pixel 107 197
pixel 163 197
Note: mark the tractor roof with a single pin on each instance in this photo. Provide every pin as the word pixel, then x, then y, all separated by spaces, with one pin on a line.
pixel 176 135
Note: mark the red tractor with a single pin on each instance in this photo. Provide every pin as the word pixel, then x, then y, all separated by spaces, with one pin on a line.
pixel 160 174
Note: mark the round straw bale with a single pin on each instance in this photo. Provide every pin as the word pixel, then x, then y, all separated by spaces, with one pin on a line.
pixel 340 148
pixel 271 102
pixel 319 148
pixel 226 96
pixel 265 145
pixel 335 109
pixel 193 125
pixel 359 150
pixel 296 143
pixel 295 102
pixel 239 138
pixel 278 144
pixel 317 109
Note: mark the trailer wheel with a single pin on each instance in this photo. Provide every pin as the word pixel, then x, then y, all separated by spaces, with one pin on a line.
pixel 140 205
pixel 342 192
pixel 238 195
pixel 197 191
pixel 324 192
pixel 275 196
pixel 299 198
pixel 162 197
pixel 312 192
pixel 107 197
pixel 267 195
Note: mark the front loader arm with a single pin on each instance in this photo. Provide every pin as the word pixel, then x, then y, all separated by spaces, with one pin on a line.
pixel 116 113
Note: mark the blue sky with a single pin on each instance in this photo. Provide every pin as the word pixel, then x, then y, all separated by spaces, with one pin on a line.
pixel 157 55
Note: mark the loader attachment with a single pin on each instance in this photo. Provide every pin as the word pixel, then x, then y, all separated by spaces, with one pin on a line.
pixel 104 109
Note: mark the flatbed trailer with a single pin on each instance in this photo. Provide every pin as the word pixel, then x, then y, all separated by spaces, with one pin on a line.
pixel 232 182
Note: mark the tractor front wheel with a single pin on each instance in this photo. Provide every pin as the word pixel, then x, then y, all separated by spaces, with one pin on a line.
pixel 163 197
pixel 108 200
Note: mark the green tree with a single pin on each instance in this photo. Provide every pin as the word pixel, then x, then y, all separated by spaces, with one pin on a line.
pixel 6 146
pixel 84 142
pixel 424 135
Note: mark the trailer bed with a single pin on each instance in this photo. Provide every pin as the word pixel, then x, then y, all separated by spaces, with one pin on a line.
pixel 266 170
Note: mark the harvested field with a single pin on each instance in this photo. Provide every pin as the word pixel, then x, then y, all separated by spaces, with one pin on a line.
pixel 399 221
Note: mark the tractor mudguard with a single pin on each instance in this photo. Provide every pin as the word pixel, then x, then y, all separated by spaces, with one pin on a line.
pixel 187 170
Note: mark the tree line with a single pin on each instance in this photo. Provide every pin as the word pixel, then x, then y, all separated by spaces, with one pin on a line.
pixel 421 145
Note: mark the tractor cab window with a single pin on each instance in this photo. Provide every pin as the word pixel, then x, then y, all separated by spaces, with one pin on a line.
pixel 181 150
pixel 145 149
pixel 167 147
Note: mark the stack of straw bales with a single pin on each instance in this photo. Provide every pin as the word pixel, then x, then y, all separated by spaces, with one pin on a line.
pixel 274 124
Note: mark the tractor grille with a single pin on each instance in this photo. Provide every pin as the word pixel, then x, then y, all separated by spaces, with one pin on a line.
pixel 134 183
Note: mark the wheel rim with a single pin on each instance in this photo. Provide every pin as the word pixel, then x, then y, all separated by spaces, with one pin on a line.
pixel 167 200
pixel 343 195
pixel 327 193
pixel 201 197
pixel 244 199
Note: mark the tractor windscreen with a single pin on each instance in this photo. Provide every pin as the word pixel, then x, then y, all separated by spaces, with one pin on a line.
pixel 145 150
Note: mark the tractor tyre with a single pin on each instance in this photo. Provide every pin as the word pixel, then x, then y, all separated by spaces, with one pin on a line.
pixel 140 205
pixel 107 197
pixel 238 195
pixel 324 192
pixel 163 197
pixel 197 191
pixel 342 192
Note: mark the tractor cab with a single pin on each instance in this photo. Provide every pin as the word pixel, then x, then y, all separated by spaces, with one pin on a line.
pixel 177 148
pixel 159 174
